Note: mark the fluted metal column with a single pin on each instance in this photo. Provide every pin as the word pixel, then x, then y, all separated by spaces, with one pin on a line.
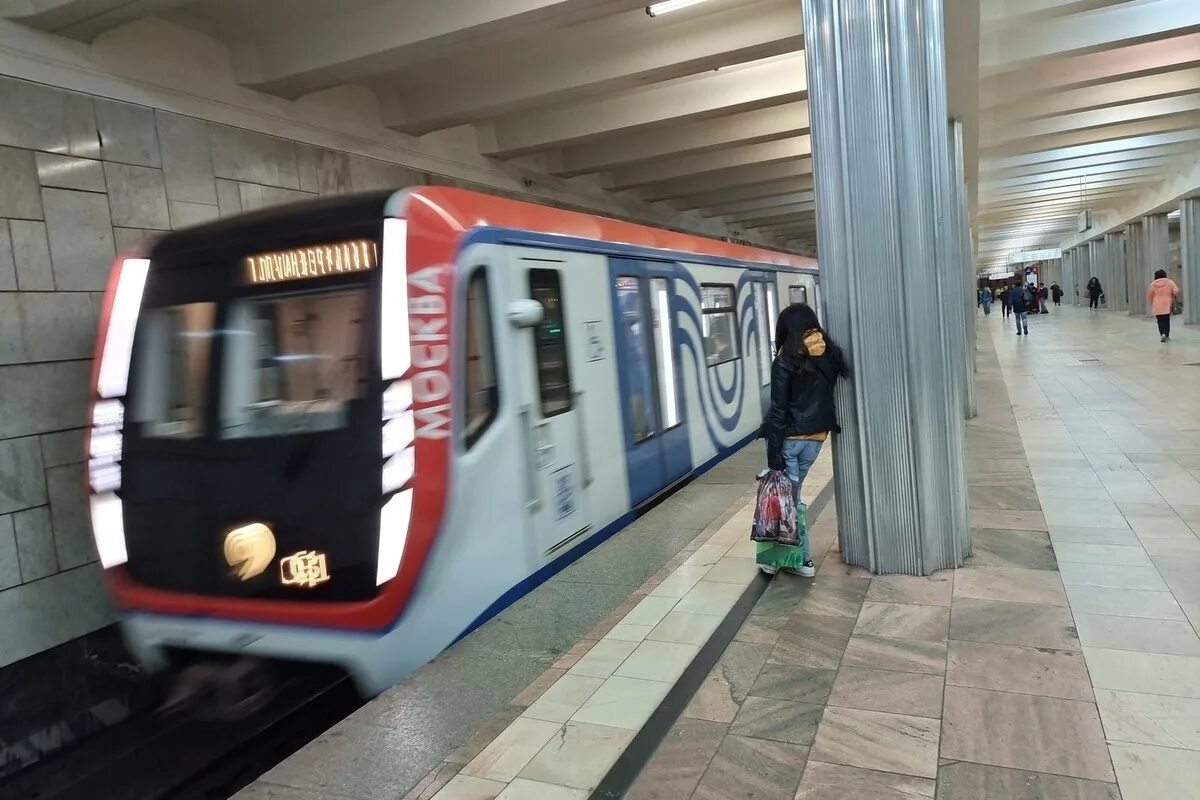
pixel 1067 267
pixel 1133 269
pixel 1083 263
pixel 1189 251
pixel 1114 246
pixel 962 262
pixel 1156 247
pixel 881 162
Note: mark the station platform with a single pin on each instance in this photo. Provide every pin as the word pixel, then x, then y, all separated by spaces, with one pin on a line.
pixel 1062 663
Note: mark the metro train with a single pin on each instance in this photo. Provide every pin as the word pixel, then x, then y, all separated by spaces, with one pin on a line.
pixel 349 431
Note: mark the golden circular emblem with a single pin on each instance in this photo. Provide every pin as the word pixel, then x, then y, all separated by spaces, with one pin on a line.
pixel 249 550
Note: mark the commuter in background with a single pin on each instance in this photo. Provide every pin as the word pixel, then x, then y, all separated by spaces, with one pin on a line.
pixel 1094 290
pixel 1020 299
pixel 1002 293
pixel 1161 296
pixel 801 417
pixel 1056 293
pixel 986 299
pixel 1043 295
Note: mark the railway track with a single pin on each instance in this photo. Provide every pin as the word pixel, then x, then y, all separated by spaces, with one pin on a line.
pixel 182 757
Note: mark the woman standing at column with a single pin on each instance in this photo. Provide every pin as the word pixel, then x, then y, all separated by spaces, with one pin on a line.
pixel 801 417
pixel 1161 298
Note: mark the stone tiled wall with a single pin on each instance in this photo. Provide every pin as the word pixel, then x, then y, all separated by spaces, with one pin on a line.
pixel 82 177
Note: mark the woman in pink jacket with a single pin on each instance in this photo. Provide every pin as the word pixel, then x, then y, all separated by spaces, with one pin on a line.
pixel 1161 297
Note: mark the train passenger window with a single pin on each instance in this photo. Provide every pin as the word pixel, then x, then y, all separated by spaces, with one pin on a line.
pixel 717 302
pixel 292 364
pixel 550 343
pixel 482 391
pixel 772 312
pixel 664 349
pixel 632 325
pixel 762 327
pixel 173 357
pixel 798 294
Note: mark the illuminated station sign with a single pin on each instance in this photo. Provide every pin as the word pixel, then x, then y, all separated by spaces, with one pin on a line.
pixel 1029 256
pixel 313 261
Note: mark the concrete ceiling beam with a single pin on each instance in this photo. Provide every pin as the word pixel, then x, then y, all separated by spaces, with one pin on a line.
pixel 753 191
pixel 712 161
pixel 391 35
pixel 1098 118
pixel 759 204
pixel 727 179
pixel 82 19
pixel 748 127
pixel 1089 31
pixel 617 53
pixel 1126 130
pixel 1105 95
pixel 1067 188
pixel 797 215
pixel 988 173
pixel 1085 173
pixel 760 214
pixel 742 88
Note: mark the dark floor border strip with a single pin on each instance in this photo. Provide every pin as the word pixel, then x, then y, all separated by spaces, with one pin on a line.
pixel 620 777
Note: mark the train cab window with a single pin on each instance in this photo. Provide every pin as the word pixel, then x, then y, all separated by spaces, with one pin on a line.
pixel 717 302
pixel 632 326
pixel 762 328
pixel 550 343
pixel 482 392
pixel 173 357
pixel 292 364
pixel 798 294
pixel 664 351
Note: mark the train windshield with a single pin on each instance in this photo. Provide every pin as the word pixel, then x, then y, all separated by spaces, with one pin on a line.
pixel 254 406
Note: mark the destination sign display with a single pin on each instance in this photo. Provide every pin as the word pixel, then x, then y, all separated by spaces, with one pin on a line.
pixel 313 261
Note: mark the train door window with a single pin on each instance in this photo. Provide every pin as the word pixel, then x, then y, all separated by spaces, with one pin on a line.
pixel 482 391
pixel 762 328
pixel 550 343
pixel 719 323
pixel 772 311
pixel 633 328
pixel 293 364
pixel 798 294
pixel 173 358
pixel 664 350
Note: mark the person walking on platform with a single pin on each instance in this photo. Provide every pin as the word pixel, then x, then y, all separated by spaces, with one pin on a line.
pixel 1161 296
pixel 1043 294
pixel 1020 298
pixel 1005 308
pixel 1094 290
pixel 801 416
pixel 1056 293
pixel 986 298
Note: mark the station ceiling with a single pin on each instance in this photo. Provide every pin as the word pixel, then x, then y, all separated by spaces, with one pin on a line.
pixel 1066 103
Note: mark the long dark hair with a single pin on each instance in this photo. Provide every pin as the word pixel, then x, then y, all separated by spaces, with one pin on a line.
pixel 794 322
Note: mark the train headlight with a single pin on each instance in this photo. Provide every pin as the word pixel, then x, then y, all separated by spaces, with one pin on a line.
pixel 398 433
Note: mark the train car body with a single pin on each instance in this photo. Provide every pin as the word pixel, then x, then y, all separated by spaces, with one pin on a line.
pixel 351 431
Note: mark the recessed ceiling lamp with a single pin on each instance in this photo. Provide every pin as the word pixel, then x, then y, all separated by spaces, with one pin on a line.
pixel 1174 214
pixel 655 9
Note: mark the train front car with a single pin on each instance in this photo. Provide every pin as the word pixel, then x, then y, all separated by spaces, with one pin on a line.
pixel 252 450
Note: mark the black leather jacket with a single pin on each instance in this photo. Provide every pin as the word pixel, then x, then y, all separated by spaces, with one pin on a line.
pixel 802 399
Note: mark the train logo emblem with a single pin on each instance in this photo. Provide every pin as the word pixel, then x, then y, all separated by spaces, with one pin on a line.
pixel 249 550
pixel 306 569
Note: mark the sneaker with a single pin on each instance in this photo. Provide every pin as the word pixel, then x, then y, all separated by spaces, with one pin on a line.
pixel 1162 338
pixel 806 570
pixel 766 570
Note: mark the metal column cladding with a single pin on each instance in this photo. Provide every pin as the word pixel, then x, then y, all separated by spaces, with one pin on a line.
pixel 1068 273
pixel 1083 269
pixel 881 162
pixel 1133 269
pixel 962 260
pixel 1189 251
pixel 1156 248
pixel 1114 257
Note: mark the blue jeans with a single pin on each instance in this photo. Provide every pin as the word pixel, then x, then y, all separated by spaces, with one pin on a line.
pixel 1022 321
pixel 798 458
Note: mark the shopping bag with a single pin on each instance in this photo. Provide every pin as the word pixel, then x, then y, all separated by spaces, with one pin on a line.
pixel 775 510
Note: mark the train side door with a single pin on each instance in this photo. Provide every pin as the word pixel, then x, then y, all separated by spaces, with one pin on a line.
pixel 550 412
pixel 802 288
pixel 656 436
pixel 766 311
